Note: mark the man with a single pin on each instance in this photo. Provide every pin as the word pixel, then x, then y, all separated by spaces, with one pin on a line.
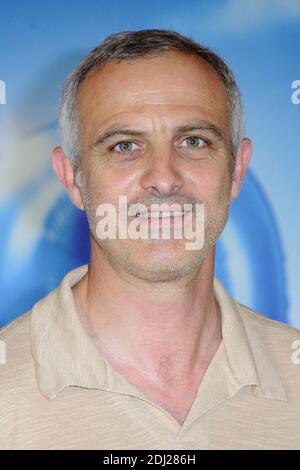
pixel 143 348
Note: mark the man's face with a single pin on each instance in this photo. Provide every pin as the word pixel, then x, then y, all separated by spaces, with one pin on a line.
pixel 156 130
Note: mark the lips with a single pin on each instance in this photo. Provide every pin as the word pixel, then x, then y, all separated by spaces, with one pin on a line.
pixel 156 211
pixel 160 214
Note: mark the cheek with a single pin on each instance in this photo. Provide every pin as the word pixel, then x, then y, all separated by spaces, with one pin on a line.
pixel 210 183
pixel 104 186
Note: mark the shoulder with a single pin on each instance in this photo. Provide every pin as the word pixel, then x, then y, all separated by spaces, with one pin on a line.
pixel 17 326
pixel 16 336
pixel 269 330
pixel 15 350
pixel 17 374
pixel 279 340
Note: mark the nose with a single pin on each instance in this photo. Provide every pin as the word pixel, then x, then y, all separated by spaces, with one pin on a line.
pixel 161 175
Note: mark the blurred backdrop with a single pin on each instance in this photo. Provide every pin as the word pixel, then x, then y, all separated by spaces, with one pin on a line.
pixel 43 236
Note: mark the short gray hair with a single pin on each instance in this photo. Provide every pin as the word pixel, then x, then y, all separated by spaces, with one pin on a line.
pixel 129 45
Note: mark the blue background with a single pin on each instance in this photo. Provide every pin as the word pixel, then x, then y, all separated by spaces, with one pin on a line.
pixel 43 236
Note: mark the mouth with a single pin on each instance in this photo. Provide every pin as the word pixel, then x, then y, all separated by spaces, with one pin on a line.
pixel 161 220
pixel 161 214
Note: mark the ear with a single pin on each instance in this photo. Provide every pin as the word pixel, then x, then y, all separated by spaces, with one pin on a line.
pixel 242 161
pixel 64 170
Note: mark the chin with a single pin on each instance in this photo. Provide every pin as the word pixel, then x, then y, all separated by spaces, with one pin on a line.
pixel 165 267
pixel 154 260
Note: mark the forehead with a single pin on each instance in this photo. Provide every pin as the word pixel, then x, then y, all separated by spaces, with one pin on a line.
pixel 171 85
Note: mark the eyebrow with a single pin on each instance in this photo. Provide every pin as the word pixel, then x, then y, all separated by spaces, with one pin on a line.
pixel 180 129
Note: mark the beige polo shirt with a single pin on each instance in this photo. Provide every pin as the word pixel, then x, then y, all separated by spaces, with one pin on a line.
pixel 58 392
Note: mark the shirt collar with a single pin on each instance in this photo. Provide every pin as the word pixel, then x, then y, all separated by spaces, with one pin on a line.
pixel 65 355
pixel 248 359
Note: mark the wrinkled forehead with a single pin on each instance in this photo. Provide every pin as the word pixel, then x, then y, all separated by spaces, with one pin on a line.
pixel 172 82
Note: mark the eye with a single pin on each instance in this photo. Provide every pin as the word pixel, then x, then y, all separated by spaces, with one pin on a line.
pixel 193 142
pixel 125 146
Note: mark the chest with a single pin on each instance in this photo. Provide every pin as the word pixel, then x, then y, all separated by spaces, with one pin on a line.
pixel 177 398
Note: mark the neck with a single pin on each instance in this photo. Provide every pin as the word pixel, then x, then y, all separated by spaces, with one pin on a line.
pixel 159 330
